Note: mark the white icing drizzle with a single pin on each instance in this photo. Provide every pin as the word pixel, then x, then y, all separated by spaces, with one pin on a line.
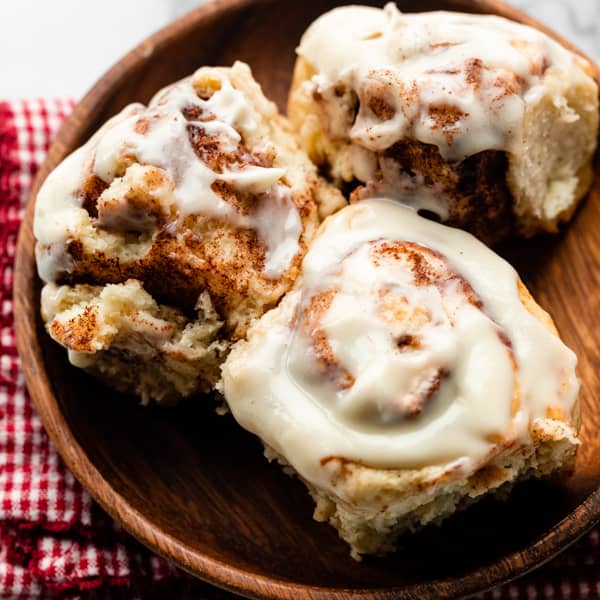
pixel 165 144
pixel 485 68
pixel 276 388
pixel 58 212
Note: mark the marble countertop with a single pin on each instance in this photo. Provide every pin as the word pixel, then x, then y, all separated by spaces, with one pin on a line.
pixel 60 47
pixel 576 20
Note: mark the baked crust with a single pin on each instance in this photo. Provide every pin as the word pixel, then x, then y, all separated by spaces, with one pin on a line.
pixel 356 484
pixel 127 226
pixel 535 186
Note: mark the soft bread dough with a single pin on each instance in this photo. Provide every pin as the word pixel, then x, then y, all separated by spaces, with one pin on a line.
pixel 407 373
pixel 492 122
pixel 203 203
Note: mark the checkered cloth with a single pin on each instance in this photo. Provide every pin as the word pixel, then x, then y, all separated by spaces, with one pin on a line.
pixel 54 541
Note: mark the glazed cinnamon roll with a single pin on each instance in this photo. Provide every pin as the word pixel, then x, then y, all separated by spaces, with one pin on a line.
pixel 408 373
pixel 494 123
pixel 174 227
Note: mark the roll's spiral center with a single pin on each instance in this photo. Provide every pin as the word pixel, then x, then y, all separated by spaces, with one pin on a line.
pixel 382 335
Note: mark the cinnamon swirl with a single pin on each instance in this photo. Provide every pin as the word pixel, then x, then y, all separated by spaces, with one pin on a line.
pixel 494 120
pixel 408 373
pixel 173 228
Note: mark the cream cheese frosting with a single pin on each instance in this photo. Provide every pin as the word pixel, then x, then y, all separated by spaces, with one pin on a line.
pixel 157 135
pixel 405 344
pixel 454 80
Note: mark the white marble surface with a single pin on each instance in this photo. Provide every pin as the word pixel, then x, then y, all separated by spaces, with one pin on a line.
pixel 60 47
pixel 576 20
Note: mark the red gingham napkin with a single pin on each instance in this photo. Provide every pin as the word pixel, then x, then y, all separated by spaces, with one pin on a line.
pixel 54 541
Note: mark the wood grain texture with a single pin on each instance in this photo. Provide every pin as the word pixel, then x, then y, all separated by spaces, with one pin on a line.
pixel 194 487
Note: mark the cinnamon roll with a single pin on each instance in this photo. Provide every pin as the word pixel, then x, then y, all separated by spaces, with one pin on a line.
pixel 493 122
pixel 408 373
pixel 174 227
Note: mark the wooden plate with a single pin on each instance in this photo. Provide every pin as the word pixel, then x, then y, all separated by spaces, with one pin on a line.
pixel 194 487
